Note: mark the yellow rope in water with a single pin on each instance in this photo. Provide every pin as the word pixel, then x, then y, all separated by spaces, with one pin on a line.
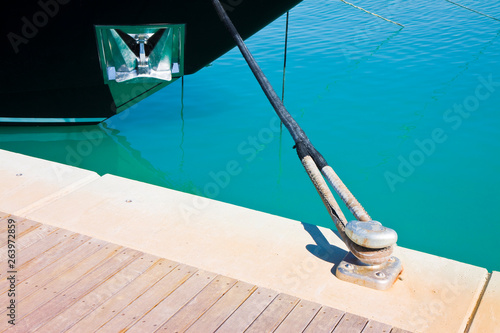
pixel 383 18
pixel 284 58
pixel 472 10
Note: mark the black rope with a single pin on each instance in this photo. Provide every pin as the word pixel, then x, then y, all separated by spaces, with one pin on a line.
pixel 283 93
pixel 298 135
pixel 304 146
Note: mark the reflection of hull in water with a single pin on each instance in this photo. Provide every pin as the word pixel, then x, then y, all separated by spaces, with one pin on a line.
pixel 84 147
pixel 50 64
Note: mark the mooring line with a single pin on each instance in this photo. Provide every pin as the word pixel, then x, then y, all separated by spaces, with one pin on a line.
pixel 284 58
pixel 472 10
pixel 283 94
pixel 307 151
pixel 465 67
pixel 383 18
pixel 182 125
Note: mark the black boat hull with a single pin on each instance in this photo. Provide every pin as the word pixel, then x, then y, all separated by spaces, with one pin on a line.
pixel 51 72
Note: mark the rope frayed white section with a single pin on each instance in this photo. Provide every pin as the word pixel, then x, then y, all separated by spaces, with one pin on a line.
pixel 351 202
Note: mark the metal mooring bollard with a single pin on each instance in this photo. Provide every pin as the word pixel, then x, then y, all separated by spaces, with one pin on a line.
pixel 372 235
pixel 372 243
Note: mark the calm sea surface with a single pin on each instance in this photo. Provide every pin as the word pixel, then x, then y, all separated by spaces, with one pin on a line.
pixel 409 118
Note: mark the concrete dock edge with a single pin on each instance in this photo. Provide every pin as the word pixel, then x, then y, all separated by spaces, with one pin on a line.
pixel 433 294
pixel 487 317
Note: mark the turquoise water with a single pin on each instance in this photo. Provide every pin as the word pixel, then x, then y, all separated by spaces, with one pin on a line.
pixel 409 118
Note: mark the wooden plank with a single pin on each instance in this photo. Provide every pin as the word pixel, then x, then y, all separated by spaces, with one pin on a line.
pixel 243 317
pixel 143 304
pixel 197 306
pixel 351 323
pixel 375 327
pixel 3 222
pixel 399 330
pixel 3 232
pixel 84 285
pixel 58 282
pixel 325 320
pixel 28 269
pixel 4 238
pixel 99 295
pixel 299 318
pixel 3 215
pixel 69 282
pixel 22 228
pixel 172 303
pixel 51 255
pixel 109 309
pixel 46 243
pixel 28 239
pixel 62 264
pixel 25 226
pixel 43 245
pixel 274 314
pixel 224 307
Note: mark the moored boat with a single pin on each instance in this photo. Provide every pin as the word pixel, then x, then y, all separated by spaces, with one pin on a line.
pixel 81 62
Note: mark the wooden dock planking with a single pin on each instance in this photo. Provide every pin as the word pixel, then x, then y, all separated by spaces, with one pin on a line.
pixel 72 314
pixel 325 320
pixel 274 314
pixel 223 309
pixel 245 315
pixel 36 250
pixel 28 239
pixel 376 327
pixel 69 282
pixel 22 228
pixel 180 297
pixel 147 301
pixel 62 264
pixel 198 305
pixel 399 330
pixel 54 283
pixel 3 225
pixel 351 323
pixel 102 314
pixel 47 258
pixel 299 318
pixel 66 298
pixel 34 265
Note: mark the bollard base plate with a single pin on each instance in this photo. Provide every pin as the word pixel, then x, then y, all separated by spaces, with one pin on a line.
pixel 380 277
